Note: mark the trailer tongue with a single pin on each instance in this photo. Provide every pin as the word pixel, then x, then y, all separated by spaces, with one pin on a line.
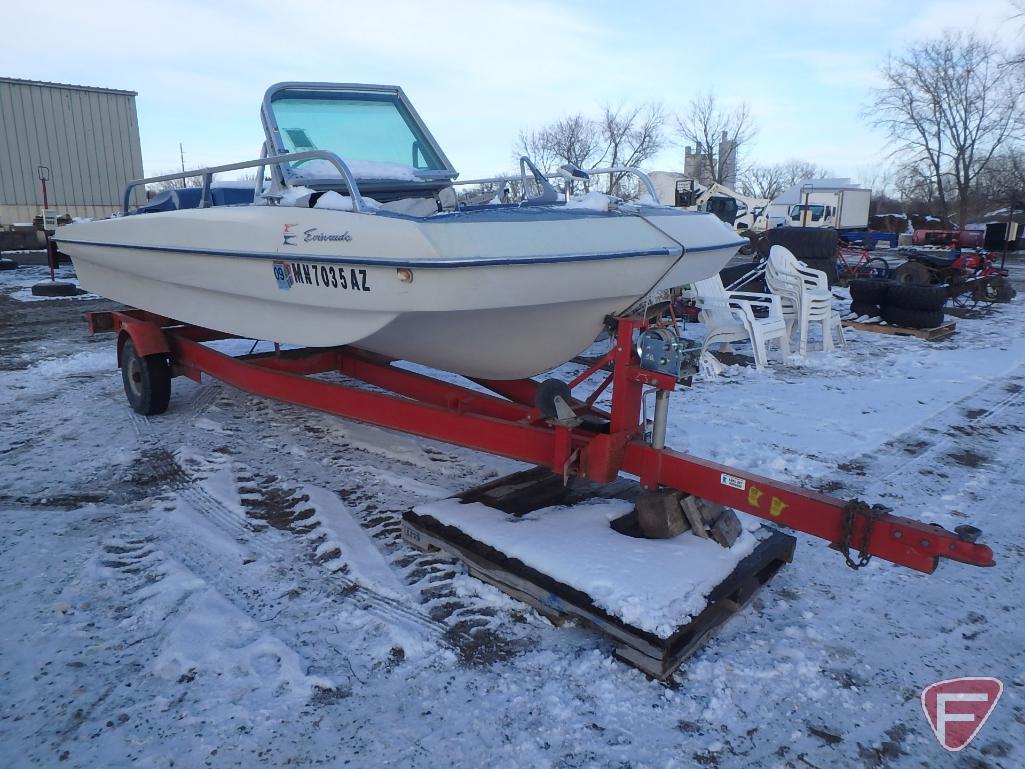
pixel 537 423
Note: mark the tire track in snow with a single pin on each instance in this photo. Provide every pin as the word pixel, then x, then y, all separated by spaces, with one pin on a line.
pixel 283 592
pixel 439 613
pixel 909 450
pixel 190 490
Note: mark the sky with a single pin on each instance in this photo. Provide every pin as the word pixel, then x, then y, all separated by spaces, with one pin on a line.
pixel 480 72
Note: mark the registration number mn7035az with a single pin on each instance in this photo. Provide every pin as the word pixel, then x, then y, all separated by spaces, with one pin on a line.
pixel 337 276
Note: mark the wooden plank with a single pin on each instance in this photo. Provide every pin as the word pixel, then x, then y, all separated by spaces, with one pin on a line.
pixel 929 334
pixel 658 657
pixel 532 489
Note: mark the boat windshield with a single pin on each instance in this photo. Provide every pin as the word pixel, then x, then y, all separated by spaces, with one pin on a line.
pixel 355 125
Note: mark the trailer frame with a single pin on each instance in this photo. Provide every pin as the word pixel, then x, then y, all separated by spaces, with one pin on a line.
pixel 595 444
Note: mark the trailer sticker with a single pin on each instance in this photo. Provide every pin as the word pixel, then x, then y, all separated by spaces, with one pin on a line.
pixel 288 274
pixel 732 481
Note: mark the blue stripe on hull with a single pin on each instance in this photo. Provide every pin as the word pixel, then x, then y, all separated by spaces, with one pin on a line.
pixel 414 263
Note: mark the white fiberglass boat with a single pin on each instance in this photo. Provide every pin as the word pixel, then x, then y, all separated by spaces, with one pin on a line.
pixel 375 250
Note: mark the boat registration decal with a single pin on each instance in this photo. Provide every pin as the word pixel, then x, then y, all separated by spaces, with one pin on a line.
pixel 289 274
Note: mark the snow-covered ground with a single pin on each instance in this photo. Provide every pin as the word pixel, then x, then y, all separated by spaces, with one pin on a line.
pixel 225 585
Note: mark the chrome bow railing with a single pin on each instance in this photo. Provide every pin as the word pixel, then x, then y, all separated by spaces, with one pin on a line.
pixel 292 157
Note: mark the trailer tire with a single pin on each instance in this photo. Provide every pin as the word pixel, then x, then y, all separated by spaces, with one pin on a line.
pixel 808 244
pixel 898 316
pixel 913 272
pixel 147 380
pixel 908 296
pixel 865 308
pixel 8 264
pixel 869 290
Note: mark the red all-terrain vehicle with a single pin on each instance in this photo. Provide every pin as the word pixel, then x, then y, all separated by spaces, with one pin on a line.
pixel 970 275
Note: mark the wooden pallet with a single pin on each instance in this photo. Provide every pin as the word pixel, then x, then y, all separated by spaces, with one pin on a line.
pixel 533 489
pixel 929 334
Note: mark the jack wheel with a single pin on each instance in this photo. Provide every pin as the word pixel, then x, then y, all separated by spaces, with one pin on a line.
pixel 547 392
pixel 147 380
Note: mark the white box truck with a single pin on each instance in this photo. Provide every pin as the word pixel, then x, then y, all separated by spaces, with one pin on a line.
pixel 819 203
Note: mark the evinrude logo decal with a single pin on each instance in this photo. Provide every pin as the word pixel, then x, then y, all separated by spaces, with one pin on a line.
pixel 313 236
pixel 283 274
pixel 287 236
pixel 290 274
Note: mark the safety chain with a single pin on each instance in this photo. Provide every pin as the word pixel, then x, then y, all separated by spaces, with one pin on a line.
pixel 851 511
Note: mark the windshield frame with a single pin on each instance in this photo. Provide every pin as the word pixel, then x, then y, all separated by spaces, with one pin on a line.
pixel 276 144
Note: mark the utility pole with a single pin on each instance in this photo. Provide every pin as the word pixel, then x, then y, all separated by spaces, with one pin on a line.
pixel 181 153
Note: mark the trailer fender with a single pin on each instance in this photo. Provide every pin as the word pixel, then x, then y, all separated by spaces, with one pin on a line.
pixel 148 339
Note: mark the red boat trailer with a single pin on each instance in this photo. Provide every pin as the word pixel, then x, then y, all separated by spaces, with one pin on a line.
pixel 595 444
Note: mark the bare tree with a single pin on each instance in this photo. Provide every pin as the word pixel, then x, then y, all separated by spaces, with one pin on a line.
pixel 1003 181
pixel 878 177
pixel 620 136
pixel 632 136
pixel 506 190
pixel 915 184
pixel 762 181
pixel 769 181
pixel 1019 16
pixel 948 106
pixel 717 133
pixel 574 139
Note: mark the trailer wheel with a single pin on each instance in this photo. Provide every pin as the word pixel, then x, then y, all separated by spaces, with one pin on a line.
pixel 147 380
pixel 546 394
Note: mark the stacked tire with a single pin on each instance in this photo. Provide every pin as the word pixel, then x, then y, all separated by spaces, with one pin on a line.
pixel 899 304
pixel 815 246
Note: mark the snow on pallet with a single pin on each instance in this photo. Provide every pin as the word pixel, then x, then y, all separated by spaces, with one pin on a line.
pixel 575 553
pixel 941 331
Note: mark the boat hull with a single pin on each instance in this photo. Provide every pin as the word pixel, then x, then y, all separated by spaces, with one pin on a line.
pixel 480 297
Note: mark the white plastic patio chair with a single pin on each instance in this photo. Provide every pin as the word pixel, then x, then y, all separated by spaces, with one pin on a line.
pixel 730 317
pixel 805 298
